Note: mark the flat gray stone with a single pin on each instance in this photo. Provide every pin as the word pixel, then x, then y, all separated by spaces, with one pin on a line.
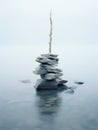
pixel 46 61
pixel 50 68
pixel 40 70
pixel 47 66
pixel 57 71
pixel 51 76
pixel 49 55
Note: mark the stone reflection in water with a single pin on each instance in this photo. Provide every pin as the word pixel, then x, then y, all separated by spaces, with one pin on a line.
pixel 48 103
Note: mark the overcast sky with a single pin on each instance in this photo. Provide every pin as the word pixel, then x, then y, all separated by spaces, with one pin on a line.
pixel 27 21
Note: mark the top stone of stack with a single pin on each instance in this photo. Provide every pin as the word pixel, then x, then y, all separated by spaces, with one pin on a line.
pixel 49 55
pixel 48 59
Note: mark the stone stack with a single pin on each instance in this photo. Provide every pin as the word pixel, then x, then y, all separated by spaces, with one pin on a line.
pixel 49 73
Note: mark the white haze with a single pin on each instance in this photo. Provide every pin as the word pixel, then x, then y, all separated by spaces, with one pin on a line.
pixel 27 22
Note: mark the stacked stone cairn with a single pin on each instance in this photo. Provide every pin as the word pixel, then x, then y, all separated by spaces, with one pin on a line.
pixel 49 73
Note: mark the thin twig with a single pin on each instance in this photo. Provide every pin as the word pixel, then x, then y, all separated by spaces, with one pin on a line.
pixel 50 35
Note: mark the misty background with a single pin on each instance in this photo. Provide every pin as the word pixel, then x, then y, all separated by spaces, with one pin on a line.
pixel 26 22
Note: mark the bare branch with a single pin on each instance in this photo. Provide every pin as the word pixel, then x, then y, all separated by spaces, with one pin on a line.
pixel 50 35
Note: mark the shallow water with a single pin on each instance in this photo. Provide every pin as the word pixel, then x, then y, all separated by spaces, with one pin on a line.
pixel 22 108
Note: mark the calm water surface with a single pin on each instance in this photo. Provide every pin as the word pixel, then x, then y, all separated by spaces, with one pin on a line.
pixel 22 108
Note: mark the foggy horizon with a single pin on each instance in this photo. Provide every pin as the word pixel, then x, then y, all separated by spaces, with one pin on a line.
pixel 27 22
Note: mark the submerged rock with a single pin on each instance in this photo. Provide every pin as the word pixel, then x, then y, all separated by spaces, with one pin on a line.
pixel 26 81
pixel 43 84
pixel 80 83
pixel 62 82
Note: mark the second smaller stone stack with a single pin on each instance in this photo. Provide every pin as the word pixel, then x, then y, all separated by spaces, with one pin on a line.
pixel 49 73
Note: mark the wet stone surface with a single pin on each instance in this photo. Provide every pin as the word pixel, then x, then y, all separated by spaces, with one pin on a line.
pixel 49 73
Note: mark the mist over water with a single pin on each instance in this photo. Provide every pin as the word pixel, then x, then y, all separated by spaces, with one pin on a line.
pixel 22 108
